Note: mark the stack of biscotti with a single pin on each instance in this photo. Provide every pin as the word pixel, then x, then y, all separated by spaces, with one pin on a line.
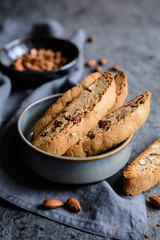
pixel 121 85
pixel 78 117
pixel 114 128
pixel 144 172
pixel 62 102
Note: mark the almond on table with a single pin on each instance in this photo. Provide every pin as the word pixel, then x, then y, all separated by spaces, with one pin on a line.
pixel 155 200
pixel 91 62
pixel 98 69
pixel 53 203
pixel 92 38
pixel 103 61
pixel 115 68
pixel 73 204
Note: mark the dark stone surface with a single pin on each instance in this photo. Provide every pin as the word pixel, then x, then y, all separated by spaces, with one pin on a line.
pixel 127 34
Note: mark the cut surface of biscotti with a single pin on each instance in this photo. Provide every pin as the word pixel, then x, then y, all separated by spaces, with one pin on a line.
pixel 79 117
pixel 61 103
pixel 144 172
pixel 114 128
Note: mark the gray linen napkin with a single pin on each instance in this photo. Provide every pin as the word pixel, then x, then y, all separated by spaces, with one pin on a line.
pixel 105 210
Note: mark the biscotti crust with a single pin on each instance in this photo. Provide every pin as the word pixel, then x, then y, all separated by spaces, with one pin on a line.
pixel 61 103
pixel 121 90
pixel 98 141
pixel 59 142
pixel 144 172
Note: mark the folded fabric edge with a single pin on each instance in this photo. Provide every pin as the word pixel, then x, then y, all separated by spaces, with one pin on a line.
pixel 83 226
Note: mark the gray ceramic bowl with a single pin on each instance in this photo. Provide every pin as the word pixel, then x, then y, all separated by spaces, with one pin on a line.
pixel 66 169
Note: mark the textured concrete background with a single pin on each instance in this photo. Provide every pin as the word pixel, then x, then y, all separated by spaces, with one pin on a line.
pixel 127 34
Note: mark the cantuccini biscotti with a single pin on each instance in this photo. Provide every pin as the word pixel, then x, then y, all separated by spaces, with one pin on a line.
pixel 144 172
pixel 61 103
pixel 114 128
pixel 121 93
pixel 79 117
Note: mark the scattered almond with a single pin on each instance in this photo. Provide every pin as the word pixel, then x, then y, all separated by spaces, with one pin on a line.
pixel 98 69
pixel 158 224
pixel 73 204
pixel 92 38
pixel 103 61
pixel 115 68
pixel 147 236
pixel 155 200
pixel 53 203
pixel 91 62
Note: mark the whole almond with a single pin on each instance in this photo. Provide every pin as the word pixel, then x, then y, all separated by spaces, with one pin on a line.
pixel 91 62
pixel 92 38
pixel 147 236
pixel 103 61
pixel 155 200
pixel 115 68
pixel 73 204
pixel 98 69
pixel 53 203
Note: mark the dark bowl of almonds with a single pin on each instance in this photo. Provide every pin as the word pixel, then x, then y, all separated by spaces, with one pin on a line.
pixel 35 60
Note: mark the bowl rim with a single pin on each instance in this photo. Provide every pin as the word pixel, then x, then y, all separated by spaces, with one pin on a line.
pixel 73 159
pixel 21 40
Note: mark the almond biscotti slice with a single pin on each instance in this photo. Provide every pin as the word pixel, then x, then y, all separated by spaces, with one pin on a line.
pixel 61 103
pixel 114 128
pixel 144 172
pixel 79 117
